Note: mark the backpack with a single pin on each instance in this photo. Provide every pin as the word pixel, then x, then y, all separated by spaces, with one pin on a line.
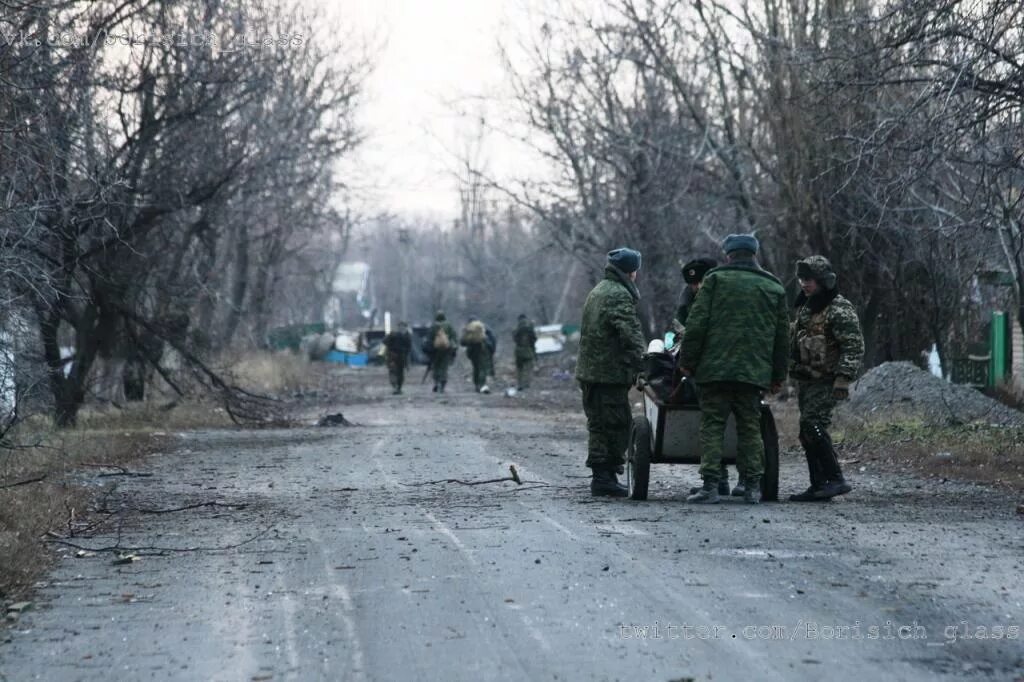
pixel 441 341
pixel 473 332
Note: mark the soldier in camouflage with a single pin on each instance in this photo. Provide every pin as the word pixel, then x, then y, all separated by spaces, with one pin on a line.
pixel 826 350
pixel 439 344
pixel 526 352
pixel 693 275
pixel 611 348
pixel 735 347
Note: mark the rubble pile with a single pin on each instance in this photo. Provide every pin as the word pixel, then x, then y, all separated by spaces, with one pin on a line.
pixel 902 390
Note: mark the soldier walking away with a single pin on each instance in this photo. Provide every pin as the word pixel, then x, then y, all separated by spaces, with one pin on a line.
pixel 526 352
pixel 475 340
pixel 398 345
pixel 735 347
pixel 826 352
pixel 611 348
pixel 439 344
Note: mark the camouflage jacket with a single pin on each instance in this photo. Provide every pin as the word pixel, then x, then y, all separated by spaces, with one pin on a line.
pixel 525 338
pixel 738 327
pixel 611 340
pixel 826 341
pixel 683 309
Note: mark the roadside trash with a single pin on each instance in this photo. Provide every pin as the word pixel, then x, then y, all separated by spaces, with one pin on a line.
pixel 485 389
pixel 124 559
pixel 510 392
pixel 336 419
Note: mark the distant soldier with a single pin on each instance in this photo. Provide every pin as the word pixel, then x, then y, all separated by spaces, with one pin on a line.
pixel 478 350
pixel 735 348
pixel 826 352
pixel 439 344
pixel 611 348
pixel 398 345
pixel 526 352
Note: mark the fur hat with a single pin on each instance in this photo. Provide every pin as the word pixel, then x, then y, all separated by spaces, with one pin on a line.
pixel 694 271
pixel 625 259
pixel 817 268
pixel 740 242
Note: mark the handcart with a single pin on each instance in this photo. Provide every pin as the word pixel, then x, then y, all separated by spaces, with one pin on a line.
pixel 668 433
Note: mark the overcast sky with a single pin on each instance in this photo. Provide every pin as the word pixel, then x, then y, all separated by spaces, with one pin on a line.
pixel 435 56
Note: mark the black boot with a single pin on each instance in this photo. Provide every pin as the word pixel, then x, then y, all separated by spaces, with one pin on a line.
pixel 817 480
pixel 605 484
pixel 835 484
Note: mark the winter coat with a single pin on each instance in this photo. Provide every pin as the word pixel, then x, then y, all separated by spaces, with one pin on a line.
pixel 738 328
pixel 611 340
pixel 826 341
pixel 526 339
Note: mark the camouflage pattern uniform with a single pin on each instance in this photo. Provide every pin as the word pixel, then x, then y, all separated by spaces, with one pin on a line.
pixel 526 352
pixel 735 345
pixel 398 344
pixel 826 350
pixel 611 347
pixel 441 360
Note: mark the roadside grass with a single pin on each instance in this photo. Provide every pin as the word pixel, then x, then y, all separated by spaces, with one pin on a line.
pixel 973 452
pixel 65 461
pixel 43 490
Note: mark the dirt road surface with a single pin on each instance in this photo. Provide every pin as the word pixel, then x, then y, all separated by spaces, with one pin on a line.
pixel 332 554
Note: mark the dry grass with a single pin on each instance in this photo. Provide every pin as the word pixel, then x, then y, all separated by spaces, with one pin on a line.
pixel 274 374
pixel 974 452
pixel 54 504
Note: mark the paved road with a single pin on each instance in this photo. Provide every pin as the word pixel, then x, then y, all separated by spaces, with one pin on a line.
pixel 345 568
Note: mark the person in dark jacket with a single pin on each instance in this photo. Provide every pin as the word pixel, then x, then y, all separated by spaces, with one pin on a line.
pixel 693 275
pixel 609 360
pixel 735 347
pixel 398 345
pixel 526 351
pixel 826 352
pixel 474 339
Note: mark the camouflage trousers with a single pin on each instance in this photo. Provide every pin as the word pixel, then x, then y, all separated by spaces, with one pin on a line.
pixel 717 402
pixel 816 403
pixel 480 357
pixel 524 370
pixel 609 420
pixel 396 373
pixel 439 364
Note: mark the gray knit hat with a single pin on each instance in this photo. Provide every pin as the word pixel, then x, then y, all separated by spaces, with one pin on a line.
pixel 625 259
pixel 740 242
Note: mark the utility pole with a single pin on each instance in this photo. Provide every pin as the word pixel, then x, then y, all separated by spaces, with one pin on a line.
pixel 404 241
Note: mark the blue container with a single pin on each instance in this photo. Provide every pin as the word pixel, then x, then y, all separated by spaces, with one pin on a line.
pixel 350 359
pixel 357 359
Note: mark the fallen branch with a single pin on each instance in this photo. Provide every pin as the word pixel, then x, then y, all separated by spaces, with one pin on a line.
pixel 191 506
pixel 25 482
pixel 56 539
pixel 121 470
pixel 512 468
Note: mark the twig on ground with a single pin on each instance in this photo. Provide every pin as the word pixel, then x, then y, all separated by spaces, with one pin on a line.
pixel 121 470
pixel 56 539
pixel 191 506
pixel 514 477
pixel 25 482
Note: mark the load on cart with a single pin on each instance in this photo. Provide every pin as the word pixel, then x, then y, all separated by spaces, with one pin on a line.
pixel 668 431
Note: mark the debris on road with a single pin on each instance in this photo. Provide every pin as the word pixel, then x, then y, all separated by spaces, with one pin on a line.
pixel 336 419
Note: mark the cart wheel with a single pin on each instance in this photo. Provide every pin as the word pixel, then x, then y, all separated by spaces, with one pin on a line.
pixel 770 436
pixel 638 460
